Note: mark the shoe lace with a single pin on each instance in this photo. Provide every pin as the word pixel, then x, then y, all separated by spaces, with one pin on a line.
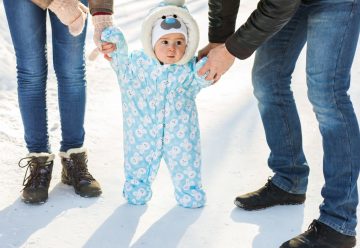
pixel 268 185
pixel 313 228
pixel 35 166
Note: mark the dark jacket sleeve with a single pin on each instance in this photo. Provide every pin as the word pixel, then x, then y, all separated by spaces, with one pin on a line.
pixel 268 18
pixel 106 6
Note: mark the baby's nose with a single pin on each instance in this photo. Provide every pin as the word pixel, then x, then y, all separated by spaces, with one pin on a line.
pixel 171 47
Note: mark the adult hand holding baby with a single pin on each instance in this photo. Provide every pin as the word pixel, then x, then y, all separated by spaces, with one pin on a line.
pixel 101 22
pixel 219 61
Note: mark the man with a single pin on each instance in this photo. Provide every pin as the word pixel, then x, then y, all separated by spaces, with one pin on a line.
pixel 278 30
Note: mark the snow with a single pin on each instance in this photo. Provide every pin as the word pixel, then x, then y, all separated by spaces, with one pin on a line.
pixel 234 161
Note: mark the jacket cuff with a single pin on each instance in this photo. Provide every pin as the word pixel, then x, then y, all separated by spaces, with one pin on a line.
pixel 107 11
pixel 221 34
pixel 239 48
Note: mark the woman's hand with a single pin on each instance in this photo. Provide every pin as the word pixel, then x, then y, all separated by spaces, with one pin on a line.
pixel 100 23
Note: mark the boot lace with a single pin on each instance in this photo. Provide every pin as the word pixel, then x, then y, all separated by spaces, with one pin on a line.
pixel 39 173
pixel 80 170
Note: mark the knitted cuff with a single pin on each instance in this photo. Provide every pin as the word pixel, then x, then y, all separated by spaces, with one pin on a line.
pixel 102 21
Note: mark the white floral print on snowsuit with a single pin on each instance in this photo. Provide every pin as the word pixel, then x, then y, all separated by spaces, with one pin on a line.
pixel 160 121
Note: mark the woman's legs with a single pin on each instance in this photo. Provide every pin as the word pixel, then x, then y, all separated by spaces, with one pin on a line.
pixel 69 65
pixel 27 24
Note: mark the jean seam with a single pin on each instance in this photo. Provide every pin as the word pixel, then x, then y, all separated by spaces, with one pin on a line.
pixel 284 114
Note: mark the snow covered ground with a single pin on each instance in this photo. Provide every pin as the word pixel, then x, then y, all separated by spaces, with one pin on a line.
pixel 234 161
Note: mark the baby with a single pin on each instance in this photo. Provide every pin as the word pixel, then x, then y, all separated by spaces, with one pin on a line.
pixel 158 89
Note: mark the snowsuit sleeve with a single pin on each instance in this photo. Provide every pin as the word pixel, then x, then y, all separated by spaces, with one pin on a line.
pixel 120 57
pixel 199 82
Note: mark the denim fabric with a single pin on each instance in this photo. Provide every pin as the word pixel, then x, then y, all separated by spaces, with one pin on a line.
pixel 27 24
pixel 331 30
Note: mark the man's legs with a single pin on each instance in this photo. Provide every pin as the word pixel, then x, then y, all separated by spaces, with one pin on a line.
pixel 333 31
pixel 274 63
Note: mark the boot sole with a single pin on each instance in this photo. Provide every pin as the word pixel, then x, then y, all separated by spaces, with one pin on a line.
pixel 93 194
pixel 33 202
pixel 239 205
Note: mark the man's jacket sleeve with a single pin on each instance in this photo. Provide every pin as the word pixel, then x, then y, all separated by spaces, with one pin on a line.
pixel 268 18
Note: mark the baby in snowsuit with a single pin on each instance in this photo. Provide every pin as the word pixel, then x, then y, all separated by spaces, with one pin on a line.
pixel 158 89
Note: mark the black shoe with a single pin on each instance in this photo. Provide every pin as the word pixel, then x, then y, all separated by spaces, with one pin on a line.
pixel 75 173
pixel 268 196
pixel 38 181
pixel 320 235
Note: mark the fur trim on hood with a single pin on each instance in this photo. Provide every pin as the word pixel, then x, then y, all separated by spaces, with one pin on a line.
pixel 171 8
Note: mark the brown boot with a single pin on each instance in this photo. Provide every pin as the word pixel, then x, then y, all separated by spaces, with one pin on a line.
pixel 38 181
pixel 75 173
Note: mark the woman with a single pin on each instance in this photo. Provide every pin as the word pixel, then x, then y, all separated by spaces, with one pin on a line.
pixel 27 24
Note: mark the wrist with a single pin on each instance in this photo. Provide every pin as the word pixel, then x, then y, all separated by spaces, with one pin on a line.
pixel 227 52
pixel 102 21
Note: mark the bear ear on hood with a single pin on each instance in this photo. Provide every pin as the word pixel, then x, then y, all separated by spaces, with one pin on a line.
pixel 166 8
pixel 175 2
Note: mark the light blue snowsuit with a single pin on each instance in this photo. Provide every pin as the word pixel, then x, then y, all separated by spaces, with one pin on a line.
pixel 160 120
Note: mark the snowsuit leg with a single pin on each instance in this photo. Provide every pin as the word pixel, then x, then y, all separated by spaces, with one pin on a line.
pixel 142 162
pixel 183 158
pixel 142 151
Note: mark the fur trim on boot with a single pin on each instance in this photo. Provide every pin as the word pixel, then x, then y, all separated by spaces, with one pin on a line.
pixel 71 151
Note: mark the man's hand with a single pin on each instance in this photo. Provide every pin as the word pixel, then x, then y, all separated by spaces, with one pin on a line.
pixel 219 61
pixel 205 50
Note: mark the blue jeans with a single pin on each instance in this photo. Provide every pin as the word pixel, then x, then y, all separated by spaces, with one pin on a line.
pixel 331 29
pixel 27 24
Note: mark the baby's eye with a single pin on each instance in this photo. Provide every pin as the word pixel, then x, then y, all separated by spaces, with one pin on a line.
pixel 179 43
pixel 165 42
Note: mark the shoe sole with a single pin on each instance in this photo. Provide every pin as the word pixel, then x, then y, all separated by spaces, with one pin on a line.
pixel 239 205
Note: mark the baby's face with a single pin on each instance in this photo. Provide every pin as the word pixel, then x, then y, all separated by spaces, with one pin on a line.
pixel 170 48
